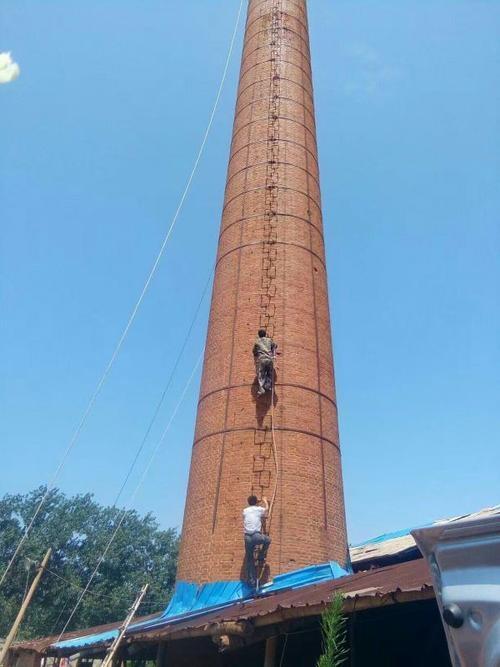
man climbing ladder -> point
(252, 525)
(263, 352)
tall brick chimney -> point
(270, 273)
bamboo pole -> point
(108, 660)
(22, 611)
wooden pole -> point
(109, 659)
(271, 649)
(160, 654)
(34, 585)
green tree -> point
(333, 628)
(78, 530)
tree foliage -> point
(333, 626)
(78, 529)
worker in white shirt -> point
(252, 526)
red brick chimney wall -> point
(270, 273)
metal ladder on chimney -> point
(264, 436)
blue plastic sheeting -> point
(190, 597)
(385, 537)
(305, 577)
(86, 640)
(190, 600)
(392, 536)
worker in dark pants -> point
(252, 525)
(263, 353)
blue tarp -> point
(189, 597)
(87, 640)
(306, 576)
(385, 537)
(392, 536)
(191, 600)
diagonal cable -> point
(165, 391)
(123, 513)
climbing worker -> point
(252, 526)
(263, 354)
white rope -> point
(135, 309)
(159, 405)
(134, 494)
(275, 453)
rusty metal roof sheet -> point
(39, 645)
(401, 542)
(410, 577)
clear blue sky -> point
(98, 137)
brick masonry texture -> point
(270, 272)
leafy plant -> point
(333, 627)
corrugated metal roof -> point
(39, 645)
(406, 577)
(196, 599)
(401, 542)
(413, 576)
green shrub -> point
(333, 627)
